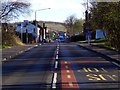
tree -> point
(78, 26)
(10, 10)
(69, 24)
(106, 16)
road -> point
(60, 66)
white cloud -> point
(60, 9)
(56, 4)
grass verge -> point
(102, 42)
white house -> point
(28, 27)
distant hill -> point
(54, 26)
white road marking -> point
(70, 84)
(111, 77)
(56, 56)
(66, 67)
(66, 62)
(104, 70)
(4, 59)
(85, 69)
(68, 76)
(56, 64)
(54, 80)
(67, 71)
(116, 64)
(78, 70)
(57, 52)
(36, 45)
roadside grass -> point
(102, 43)
(9, 40)
(5, 46)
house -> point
(29, 32)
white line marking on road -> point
(78, 70)
(54, 80)
(116, 64)
(56, 56)
(56, 64)
(36, 45)
(111, 77)
(70, 84)
(57, 52)
(66, 67)
(57, 49)
(68, 76)
(4, 59)
(104, 70)
(67, 71)
(66, 62)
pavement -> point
(11, 52)
(109, 54)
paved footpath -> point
(8, 53)
(109, 54)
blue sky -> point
(60, 9)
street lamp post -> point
(40, 10)
(36, 16)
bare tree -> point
(10, 10)
(69, 23)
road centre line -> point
(56, 64)
(56, 56)
(57, 52)
(57, 49)
(54, 80)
